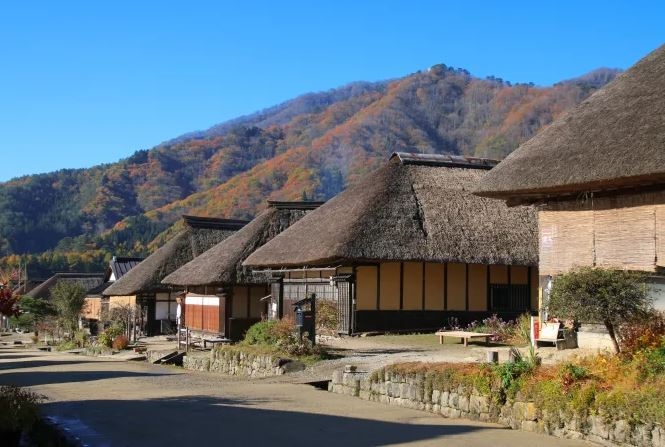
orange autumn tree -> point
(8, 302)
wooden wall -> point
(204, 313)
(92, 309)
(623, 231)
(417, 286)
(116, 301)
(246, 301)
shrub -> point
(327, 317)
(66, 345)
(597, 295)
(642, 333)
(500, 330)
(281, 336)
(19, 408)
(106, 338)
(120, 342)
(262, 333)
(80, 339)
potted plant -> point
(19, 411)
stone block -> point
(658, 436)
(598, 427)
(463, 403)
(620, 433)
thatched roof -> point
(412, 209)
(198, 236)
(87, 281)
(118, 266)
(223, 262)
(614, 139)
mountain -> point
(308, 148)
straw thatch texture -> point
(623, 231)
(614, 139)
(87, 281)
(223, 262)
(408, 211)
(196, 238)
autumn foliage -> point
(311, 147)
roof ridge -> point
(294, 205)
(444, 160)
(214, 222)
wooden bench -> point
(215, 341)
(551, 333)
(465, 336)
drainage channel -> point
(319, 384)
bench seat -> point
(464, 336)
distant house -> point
(95, 302)
(409, 248)
(598, 177)
(224, 297)
(142, 286)
(87, 281)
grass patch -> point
(606, 385)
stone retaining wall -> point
(238, 363)
(411, 391)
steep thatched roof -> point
(223, 262)
(87, 281)
(614, 139)
(118, 266)
(198, 236)
(411, 209)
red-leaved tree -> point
(8, 302)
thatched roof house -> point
(87, 281)
(223, 263)
(200, 234)
(416, 208)
(613, 140)
(598, 174)
(410, 247)
(230, 295)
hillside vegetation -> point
(311, 147)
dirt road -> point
(115, 403)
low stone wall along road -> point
(118, 403)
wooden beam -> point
(378, 287)
(422, 307)
(401, 285)
(466, 295)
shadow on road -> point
(209, 421)
(4, 366)
(33, 378)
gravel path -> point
(107, 402)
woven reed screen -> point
(566, 237)
(626, 232)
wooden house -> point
(87, 281)
(95, 302)
(408, 248)
(142, 286)
(598, 178)
(224, 297)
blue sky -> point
(85, 82)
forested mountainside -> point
(308, 148)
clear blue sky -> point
(88, 82)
